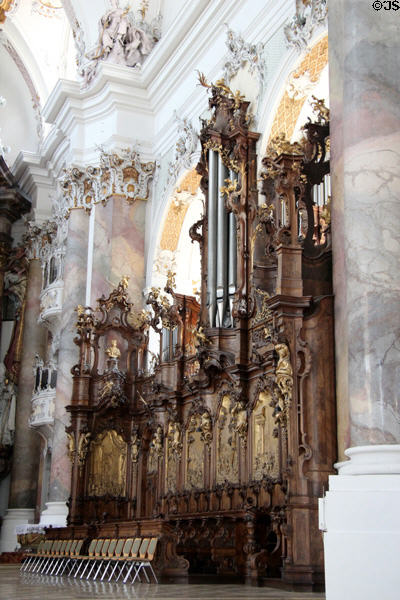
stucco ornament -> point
(186, 150)
(240, 53)
(310, 15)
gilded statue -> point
(124, 281)
(284, 382)
(284, 371)
(200, 338)
(206, 427)
(83, 447)
(135, 447)
(239, 415)
(174, 438)
(71, 446)
(105, 390)
(156, 445)
(113, 351)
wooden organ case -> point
(223, 450)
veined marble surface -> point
(365, 158)
(74, 294)
(29, 586)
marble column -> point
(360, 512)
(74, 294)
(365, 139)
(26, 453)
(118, 248)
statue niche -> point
(107, 465)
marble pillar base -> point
(14, 517)
(360, 519)
(55, 514)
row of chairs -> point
(126, 558)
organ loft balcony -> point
(44, 394)
(51, 300)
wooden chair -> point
(99, 558)
(43, 556)
(134, 554)
(146, 556)
(120, 560)
(57, 557)
(63, 557)
(106, 559)
(50, 553)
(74, 554)
(82, 558)
(96, 552)
(117, 554)
(30, 559)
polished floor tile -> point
(29, 586)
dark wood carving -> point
(223, 447)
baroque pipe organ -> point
(223, 450)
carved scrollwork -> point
(112, 393)
(194, 231)
(166, 314)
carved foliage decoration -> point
(227, 450)
(120, 175)
(107, 465)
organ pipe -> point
(232, 253)
(212, 235)
(222, 247)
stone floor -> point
(29, 586)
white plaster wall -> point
(17, 118)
